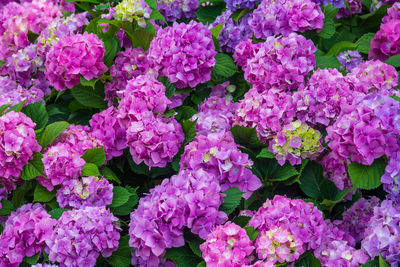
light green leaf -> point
(328, 30)
(367, 177)
(394, 61)
(231, 200)
(109, 175)
(251, 232)
(37, 112)
(266, 154)
(284, 172)
(90, 169)
(95, 155)
(88, 97)
(41, 194)
(34, 168)
(364, 43)
(51, 132)
(224, 67)
(56, 213)
(120, 196)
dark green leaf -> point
(224, 67)
(56, 213)
(88, 97)
(109, 175)
(95, 155)
(189, 128)
(155, 14)
(194, 245)
(122, 256)
(34, 168)
(182, 256)
(37, 112)
(330, 12)
(210, 13)
(266, 154)
(7, 207)
(202, 264)
(246, 137)
(251, 232)
(120, 196)
(284, 172)
(32, 36)
(170, 88)
(41, 194)
(90, 83)
(329, 29)
(308, 261)
(231, 200)
(364, 43)
(90, 169)
(19, 194)
(394, 61)
(127, 208)
(51, 132)
(341, 47)
(142, 38)
(112, 47)
(371, 263)
(326, 61)
(367, 177)
(32, 260)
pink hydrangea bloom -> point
(13, 93)
(127, 65)
(338, 248)
(80, 235)
(87, 192)
(3, 195)
(244, 51)
(355, 8)
(391, 178)
(335, 169)
(278, 245)
(106, 127)
(283, 62)
(393, 12)
(154, 140)
(25, 233)
(177, 9)
(73, 56)
(302, 219)
(227, 245)
(17, 145)
(386, 42)
(218, 154)
(320, 102)
(184, 53)
(284, 17)
(373, 76)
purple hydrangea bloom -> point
(218, 154)
(17, 145)
(349, 59)
(386, 42)
(335, 3)
(3, 195)
(283, 62)
(73, 56)
(87, 192)
(13, 93)
(284, 17)
(174, 10)
(184, 53)
(302, 219)
(80, 235)
(190, 199)
(106, 127)
(356, 218)
(320, 102)
(240, 4)
(25, 233)
(338, 248)
(392, 13)
(177, 99)
(355, 8)
(244, 51)
(335, 169)
(391, 178)
(227, 245)
(128, 64)
(373, 76)
(382, 235)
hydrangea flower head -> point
(391, 178)
(349, 59)
(73, 56)
(25, 233)
(393, 12)
(233, 5)
(184, 53)
(355, 8)
(17, 145)
(386, 41)
(133, 10)
(87, 192)
(13, 93)
(80, 235)
(244, 51)
(335, 169)
(295, 142)
(174, 10)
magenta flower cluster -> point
(177, 9)
(17, 145)
(12, 93)
(184, 53)
(284, 17)
(73, 56)
(80, 235)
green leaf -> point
(202, 264)
(309, 260)
(32, 36)
(185, 112)
(90, 169)
(109, 175)
(151, 3)
(224, 67)
(284, 172)
(246, 137)
(3, 108)
(17, 108)
(330, 12)
(88, 97)
(371, 263)
(90, 83)
(210, 13)
(56, 213)
(41, 194)
(182, 256)
(394, 61)
(19, 194)
(51, 132)
(216, 30)
(266, 154)
(6, 207)
(194, 245)
(231, 200)
(242, 221)
(37, 112)
(112, 47)
(328, 30)
(155, 14)
(239, 14)
(32, 260)
(189, 128)
(382, 262)
(120, 196)
(122, 256)
(34, 168)
(341, 47)
(367, 177)
(127, 208)
(326, 61)
(251, 232)
(142, 38)
(95, 155)
(170, 88)
(364, 43)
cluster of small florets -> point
(232, 32)
(361, 133)
(87, 192)
(174, 10)
(13, 93)
(335, 169)
(349, 59)
(295, 142)
(227, 245)
(3, 195)
(184, 53)
(219, 154)
(25, 233)
(152, 138)
(283, 62)
(80, 235)
(338, 248)
(320, 102)
(133, 10)
(373, 76)
(386, 42)
(284, 17)
(233, 5)
(107, 128)
(188, 199)
(391, 178)
(382, 234)
(354, 7)
(73, 56)
(335, 3)
(244, 51)
(17, 145)
(128, 64)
